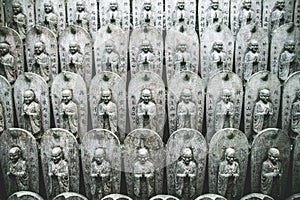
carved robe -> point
(295, 123)
(277, 18)
(147, 17)
(102, 180)
(75, 62)
(51, 21)
(262, 116)
(69, 117)
(146, 61)
(82, 19)
(218, 61)
(115, 17)
(186, 115)
(224, 115)
(18, 175)
(32, 121)
(246, 17)
(8, 68)
(41, 65)
(180, 17)
(251, 64)
(59, 177)
(20, 23)
(287, 65)
(108, 116)
(111, 62)
(213, 16)
(182, 61)
(146, 114)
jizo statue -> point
(218, 57)
(50, 17)
(7, 62)
(75, 58)
(19, 19)
(182, 58)
(278, 15)
(41, 61)
(214, 15)
(247, 14)
(146, 58)
(82, 16)
(111, 61)
(271, 174)
(147, 15)
(252, 59)
(180, 15)
(101, 175)
(295, 114)
(114, 14)
(228, 173)
(186, 171)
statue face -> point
(28, 96)
(108, 48)
(247, 4)
(48, 8)
(14, 155)
(17, 8)
(143, 157)
(226, 96)
(254, 47)
(230, 157)
(298, 94)
(218, 47)
(273, 155)
(180, 5)
(4, 49)
(280, 5)
(264, 96)
(106, 96)
(145, 47)
(182, 47)
(214, 4)
(186, 96)
(187, 156)
(38, 48)
(113, 6)
(66, 96)
(73, 48)
(56, 158)
(146, 96)
(80, 6)
(99, 156)
(290, 47)
(147, 6)
(56, 154)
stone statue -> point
(228, 174)
(31, 115)
(68, 112)
(295, 118)
(19, 19)
(214, 14)
(111, 59)
(50, 17)
(143, 173)
(252, 60)
(146, 58)
(101, 175)
(180, 15)
(17, 170)
(7, 62)
(182, 58)
(271, 172)
(186, 171)
(186, 111)
(263, 111)
(218, 57)
(247, 14)
(146, 111)
(278, 15)
(41, 64)
(81, 15)
(224, 111)
(147, 15)
(107, 112)
(2, 119)
(58, 172)
(287, 60)
(75, 58)
(114, 15)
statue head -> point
(218, 46)
(226, 95)
(280, 4)
(109, 46)
(14, 154)
(186, 95)
(298, 94)
(113, 5)
(4, 48)
(106, 96)
(143, 155)
(147, 5)
(290, 45)
(67, 96)
(146, 95)
(56, 154)
(74, 47)
(48, 7)
(99, 155)
(247, 4)
(80, 6)
(146, 46)
(253, 46)
(17, 8)
(39, 47)
(264, 95)
(273, 155)
(29, 96)
(214, 4)
(180, 4)
(187, 155)
(230, 155)
(181, 46)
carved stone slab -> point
(224, 100)
(155, 14)
(54, 18)
(265, 140)
(137, 38)
(6, 105)
(146, 140)
(115, 12)
(210, 197)
(101, 83)
(176, 159)
(33, 116)
(15, 58)
(244, 13)
(164, 197)
(64, 173)
(105, 141)
(284, 34)
(211, 61)
(290, 105)
(23, 17)
(27, 161)
(185, 101)
(152, 82)
(117, 40)
(178, 56)
(294, 197)
(116, 197)
(70, 196)
(259, 81)
(271, 15)
(173, 14)
(75, 84)
(297, 13)
(83, 13)
(205, 14)
(296, 166)
(256, 196)
(251, 51)
(24, 195)
(42, 52)
(221, 141)
(81, 60)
